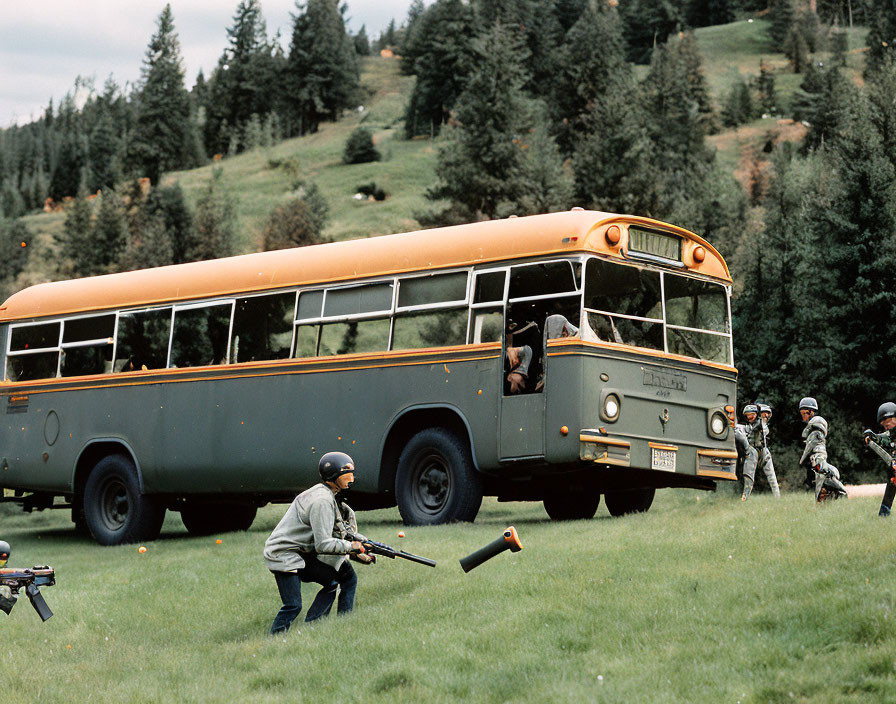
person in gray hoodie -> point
(310, 544)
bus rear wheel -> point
(436, 481)
(619, 503)
(114, 509)
(571, 505)
(207, 517)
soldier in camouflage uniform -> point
(827, 476)
(751, 439)
(884, 445)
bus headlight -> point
(611, 407)
(718, 423)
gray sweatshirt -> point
(312, 523)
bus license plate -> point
(663, 460)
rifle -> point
(375, 548)
(871, 442)
(30, 580)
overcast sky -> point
(46, 44)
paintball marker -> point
(375, 548)
(30, 580)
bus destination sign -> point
(655, 244)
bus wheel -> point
(436, 481)
(571, 506)
(620, 503)
(207, 517)
(115, 510)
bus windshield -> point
(658, 310)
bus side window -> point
(143, 340)
(87, 345)
(306, 340)
(200, 336)
(354, 337)
(487, 325)
(262, 327)
(441, 328)
(33, 352)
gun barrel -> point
(416, 558)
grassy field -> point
(703, 599)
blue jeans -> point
(290, 586)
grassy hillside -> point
(703, 599)
(259, 180)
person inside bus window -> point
(558, 326)
(520, 355)
(313, 542)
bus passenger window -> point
(87, 345)
(441, 328)
(354, 337)
(487, 325)
(143, 340)
(306, 341)
(28, 367)
(33, 352)
(427, 290)
(200, 336)
(542, 279)
(262, 327)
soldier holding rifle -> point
(311, 544)
(827, 476)
(884, 445)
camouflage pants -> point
(761, 459)
(826, 475)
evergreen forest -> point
(467, 110)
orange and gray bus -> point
(213, 388)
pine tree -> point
(481, 169)
(163, 137)
(592, 64)
(440, 51)
(362, 43)
(76, 241)
(765, 86)
(548, 184)
(215, 223)
(15, 241)
(882, 96)
(110, 232)
(882, 35)
(649, 23)
(359, 148)
(738, 107)
(169, 204)
(321, 73)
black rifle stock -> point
(30, 580)
(375, 548)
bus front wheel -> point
(114, 509)
(436, 481)
(207, 517)
(620, 503)
(571, 505)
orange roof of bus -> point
(461, 245)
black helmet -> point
(809, 403)
(886, 410)
(335, 464)
(4, 552)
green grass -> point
(701, 599)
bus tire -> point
(207, 517)
(114, 509)
(571, 505)
(620, 503)
(436, 481)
